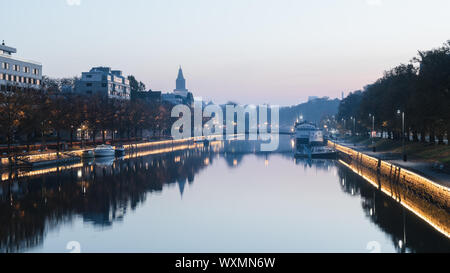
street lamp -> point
(405, 158)
(345, 127)
(354, 125)
(371, 133)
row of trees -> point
(419, 89)
(28, 115)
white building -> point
(18, 72)
(105, 81)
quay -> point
(74, 156)
(424, 197)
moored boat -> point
(104, 151)
(317, 152)
(119, 150)
(87, 154)
(309, 142)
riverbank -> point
(425, 198)
(414, 171)
(401, 184)
(49, 158)
(430, 161)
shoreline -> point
(395, 173)
(427, 199)
(55, 158)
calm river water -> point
(226, 197)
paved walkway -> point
(424, 168)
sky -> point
(246, 51)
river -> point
(226, 197)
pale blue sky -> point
(258, 51)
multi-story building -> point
(103, 80)
(18, 72)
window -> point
(89, 84)
(5, 65)
(1, 76)
(16, 67)
(35, 71)
(26, 69)
(89, 76)
(89, 92)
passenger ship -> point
(309, 142)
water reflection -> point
(103, 192)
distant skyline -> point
(247, 51)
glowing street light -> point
(399, 112)
(373, 131)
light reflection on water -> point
(227, 197)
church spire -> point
(181, 83)
(180, 74)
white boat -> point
(308, 133)
(309, 142)
(104, 151)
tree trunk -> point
(432, 136)
(94, 132)
(422, 136)
(28, 143)
(71, 138)
(9, 147)
(415, 136)
(447, 134)
(58, 140)
(43, 146)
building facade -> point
(104, 81)
(18, 72)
